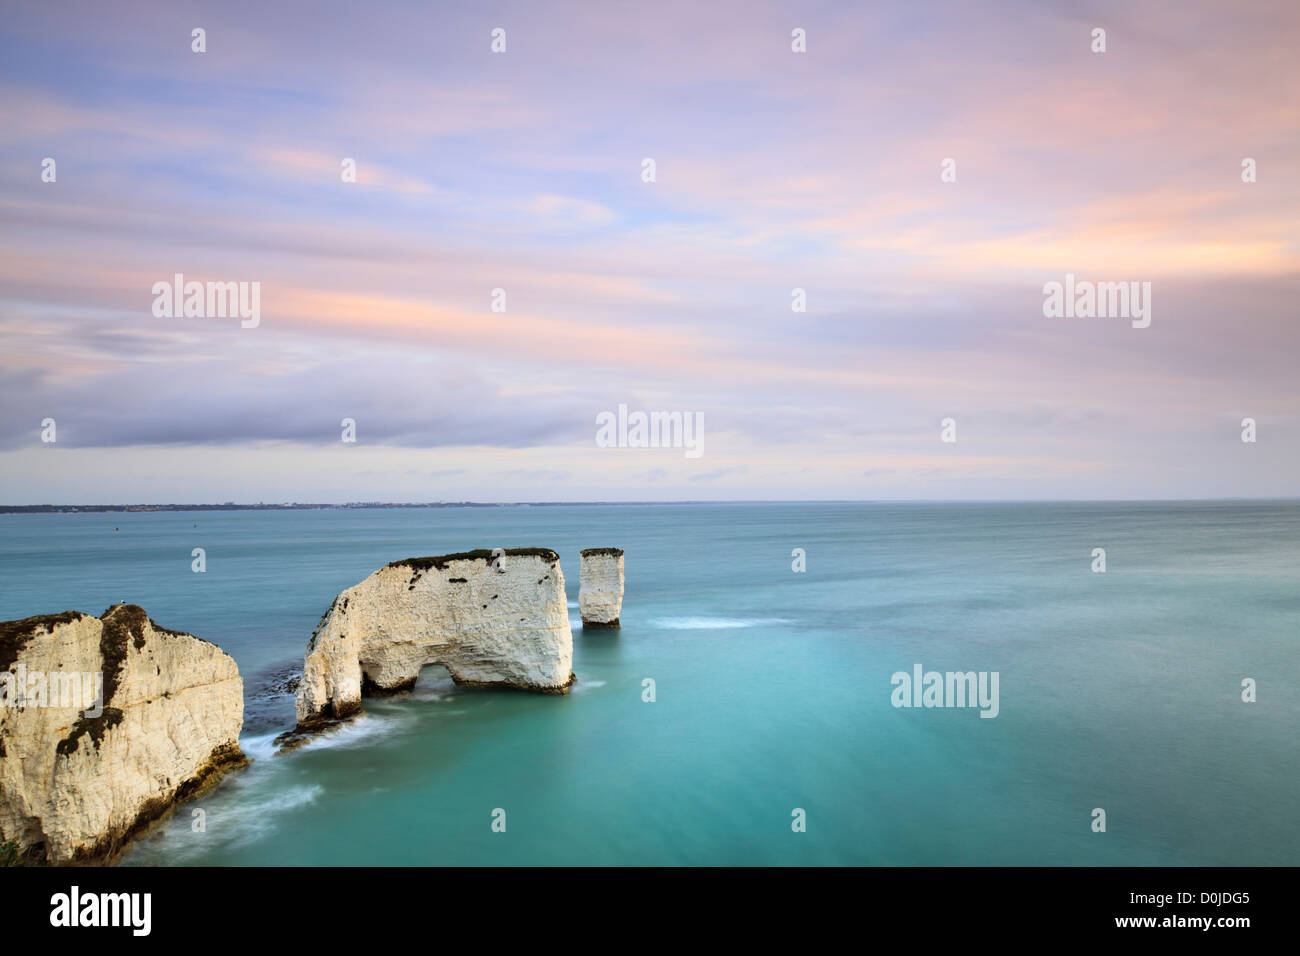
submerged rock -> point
(600, 587)
(268, 697)
(104, 724)
(492, 618)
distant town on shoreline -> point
(362, 505)
(304, 506)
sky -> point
(523, 171)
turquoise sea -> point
(1119, 691)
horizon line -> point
(48, 508)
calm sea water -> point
(1119, 690)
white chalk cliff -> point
(77, 781)
(600, 587)
(491, 618)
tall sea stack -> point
(600, 587)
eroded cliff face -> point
(79, 772)
(600, 587)
(492, 618)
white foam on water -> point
(431, 691)
(258, 747)
(251, 817)
(716, 623)
(582, 685)
(243, 808)
(359, 730)
(263, 749)
(241, 811)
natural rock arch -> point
(492, 618)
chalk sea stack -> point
(106, 723)
(600, 587)
(493, 618)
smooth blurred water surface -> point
(1119, 690)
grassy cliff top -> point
(441, 561)
(14, 635)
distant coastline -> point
(300, 506)
(364, 505)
